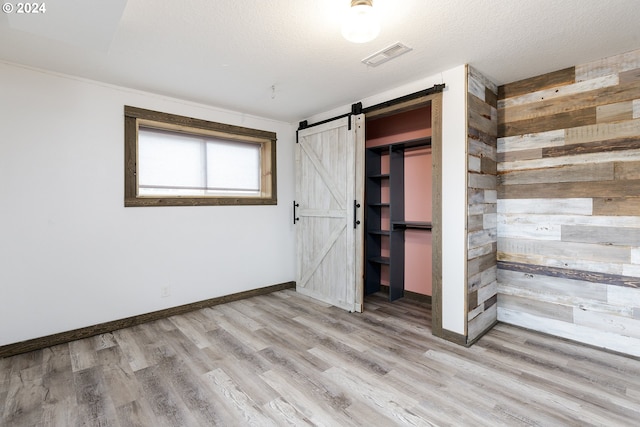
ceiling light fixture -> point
(361, 23)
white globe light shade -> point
(361, 24)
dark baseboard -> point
(410, 295)
(451, 336)
(417, 297)
(89, 331)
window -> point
(179, 161)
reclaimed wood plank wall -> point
(482, 122)
(569, 203)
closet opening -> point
(399, 218)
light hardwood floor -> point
(284, 359)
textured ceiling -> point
(230, 53)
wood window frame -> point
(134, 118)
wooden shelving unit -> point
(376, 234)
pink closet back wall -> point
(400, 127)
(417, 207)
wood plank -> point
(616, 205)
(627, 297)
(564, 173)
(563, 190)
(474, 223)
(491, 302)
(490, 220)
(533, 84)
(572, 331)
(563, 120)
(482, 181)
(485, 138)
(483, 278)
(618, 236)
(475, 88)
(630, 76)
(482, 116)
(525, 280)
(491, 97)
(482, 79)
(570, 103)
(631, 270)
(479, 251)
(606, 322)
(488, 166)
(481, 238)
(436, 211)
(480, 148)
(627, 170)
(487, 292)
(560, 91)
(566, 250)
(472, 300)
(561, 262)
(531, 141)
(610, 145)
(586, 276)
(541, 231)
(474, 164)
(591, 158)
(614, 112)
(563, 219)
(602, 132)
(491, 196)
(514, 156)
(481, 263)
(610, 65)
(483, 322)
(577, 300)
(567, 206)
(536, 308)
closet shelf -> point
(412, 143)
(410, 225)
(379, 176)
(379, 259)
(379, 232)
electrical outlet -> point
(164, 292)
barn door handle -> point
(356, 221)
(295, 218)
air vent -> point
(386, 54)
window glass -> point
(173, 160)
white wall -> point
(72, 256)
(454, 183)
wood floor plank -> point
(236, 400)
(95, 404)
(136, 414)
(165, 402)
(285, 359)
(317, 412)
(283, 413)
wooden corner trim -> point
(451, 336)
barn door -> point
(328, 217)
